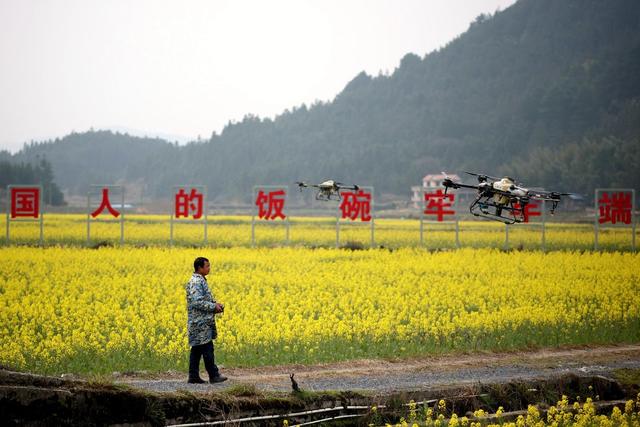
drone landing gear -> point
(483, 205)
(330, 196)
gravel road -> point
(383, 376)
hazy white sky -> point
(185, 68)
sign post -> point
(270, 201)
(189, 204)
(440, 205)
(105, 204)
(615, 207)
(533, 209)
(25, 205)
(357, 206)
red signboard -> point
(615, 207)
(105, 204)
(356, 205)
(531, 209)
(271, 205)
(437, 204)
(190, 204)
(25, 202)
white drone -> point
(328, 190)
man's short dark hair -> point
(199, 263)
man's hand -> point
(219, 308)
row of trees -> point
(39, 173)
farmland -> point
(234, 231)
(73, 309)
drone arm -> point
(447, 183)
(475, 187)
(340, 186)
(550, 197)
(455, 185)
(302, 184)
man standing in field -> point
(201, 323)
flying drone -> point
(328, 190)
(501, 199)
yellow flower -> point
(127, 311)
(628, 407)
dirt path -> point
(413, 374)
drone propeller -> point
(446, 182)
(482, 177)
(572, 196)
(556, 194)
(447, 178)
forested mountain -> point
(546, 90)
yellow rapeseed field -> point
(231, 231)
(65, 309)
(564, 413)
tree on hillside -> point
(41, 174)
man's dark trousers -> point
(206, 351)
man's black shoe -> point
(218, 379)
(196, 381)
